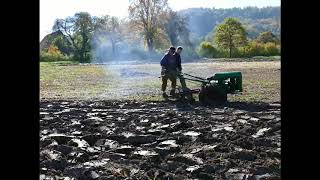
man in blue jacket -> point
(170, 65)
(179, 75)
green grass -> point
(252, 59)
(69, 80)
(267, 57)
(261, 80)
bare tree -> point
(108, 28)
(176, 29)
(146, 18)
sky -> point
(50, 10)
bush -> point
(255, 49)
(53, 54)
(271, 49)
(46, 57)
(238, 52)
(242, 52)
(206, 49)
(259, 49)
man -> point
(180, 76)
(170, 65)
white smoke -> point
(124, 51)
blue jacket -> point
(165, 61)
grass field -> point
(261, 80)
(72, 81)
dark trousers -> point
(182, 82)
(172, 76)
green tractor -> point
(215, 88)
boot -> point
(164, 95)
(172, 92)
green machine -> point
(215, 88)
(230, 82)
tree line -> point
(230, 40)
(151, 24)
(151, 28)
(203, 20)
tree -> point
(267, 36)
(176, 28)
(172, 27)
(78, 29)
(146, 16)
(114, 32)
(84, 30)
(63, 44)
(161, 40)
(108, 28)
(203, 20)
(230, 34)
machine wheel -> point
(202, 96)
(186, 96)
(212, 95)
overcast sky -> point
(53, 9)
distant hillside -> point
(203, 20)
